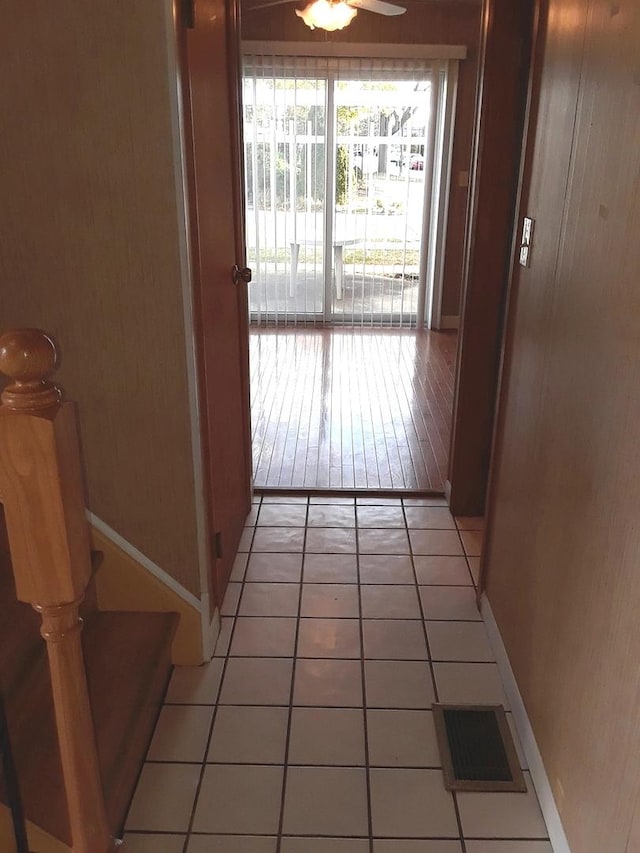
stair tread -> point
(127, 658)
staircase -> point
(77, 755)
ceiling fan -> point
(336, 14)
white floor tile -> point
(139, 843)
(330, 600)
(442, 571)
(429, 518)
(395, 845)
(181, 733)
(195, 685)
(330, 568)
(444, 543)
(396, 639)
(332, 516)
(456, 603)
(324, 845)
(332, 736)
(380, 516)
(232, 844)
(249, 735)
(459, 641)
(383, 601)
(330, 540)
(378, 541)
(402, 739)
(508, 847)
(239, 800)
(508, 815)
(398, 684)
(270, 599)
(326, 801)
(328, 683)
(282, 515)
(231, 599)
(274, 568)
(393, 569)
(264, 636)
(224, 637)
(257, 681)
(469, 683)
(164, 798)
(278, 539)
(239, 567)
(411, 803)
(329, 638)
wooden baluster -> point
(41, 489)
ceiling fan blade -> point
(378, 6)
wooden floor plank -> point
(347, 408)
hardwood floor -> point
(351, 408)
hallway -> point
(311, 731)
(346, 408)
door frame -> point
(184, 15)
(444, 86)
(505, 60)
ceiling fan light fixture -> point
(327, 15)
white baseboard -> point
(449, 321)
(525, 733)
(144, 561)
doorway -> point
(346, 167)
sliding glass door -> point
(338, 160)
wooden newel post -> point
(41, 489)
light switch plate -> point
(525, 243)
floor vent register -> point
(477, 750)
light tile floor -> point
(311, 731)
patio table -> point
(338, 261)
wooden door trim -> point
(201, 335)
(538, 41)
(193, 241)
(487, 254)
(234, 56)
(180, 125)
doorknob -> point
(239, 275)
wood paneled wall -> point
(434, 22)
(89, 251)
(564, 538)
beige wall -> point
(89, 251)
(564, 538)
(433, 22)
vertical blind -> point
(336, 155)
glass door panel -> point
(336, 238)
(284, 142)
(381, 133)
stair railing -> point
(42, 492)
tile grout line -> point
(365, 706)
(431, 667)
(227, 655)
(217, 702)
(285, 765)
